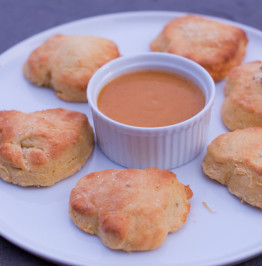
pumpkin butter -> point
(150, 98)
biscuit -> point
(234, 159)
(130, 209)
(43, 147)
(216, 46)
(242, 106)
(66, 63)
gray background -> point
(20, 19)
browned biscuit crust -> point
(130, 209)
(234, 159)
(66, 63)
(242, 106)
(44, 147)
(214, 45)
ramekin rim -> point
(182, 124)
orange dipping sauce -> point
(150, 98)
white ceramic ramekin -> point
(163, 147)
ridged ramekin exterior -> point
(164, 147)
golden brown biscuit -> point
(130, 209)
(242, 106)
(44, 147)
(234, 159)
(215, 46)
(67, 62)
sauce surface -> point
(150, 98)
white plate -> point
(37, 219)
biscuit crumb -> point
(205, 204)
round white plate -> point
(37, 219)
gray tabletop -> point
(20, 19)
